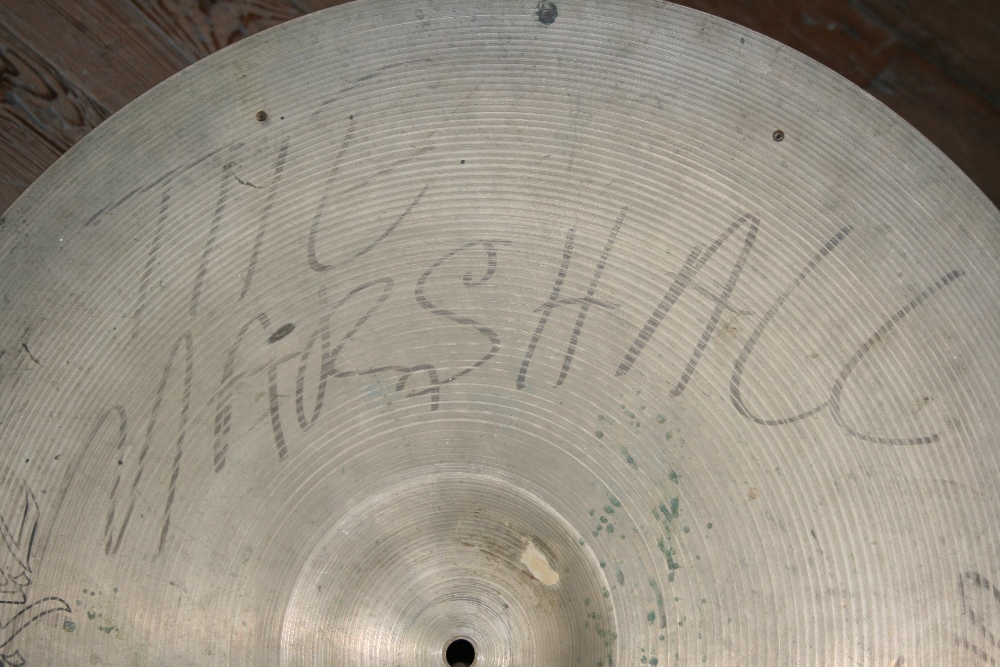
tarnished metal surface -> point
(507, 323)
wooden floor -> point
(66, 65)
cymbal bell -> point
(430, 333)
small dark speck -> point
(778, 135)
(462, 162)
(743, 40)
(546, 12)
(26, 460)
(282, 118)
(121, 462)
(282, 331)
(261, 116)
(351, 117)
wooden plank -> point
(316, 5)
(197, 28)
(964, 125)
(41, 116)
(958, 35)
(107, 48)
(831, 31)
(23, 158)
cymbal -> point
(436, 333)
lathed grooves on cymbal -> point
(511, 323)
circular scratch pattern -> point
(509, 323)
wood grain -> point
(41, 115)
(197, 28)
(958, 36)
(830, 31)
(107, 48)
(964, 125)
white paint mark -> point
(538, 565)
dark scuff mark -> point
(228, 168)
(812, 532)
(546, 12)
(33, 357)
(281, 332)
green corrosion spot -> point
(654, 662)
(69, 626)
(661, 418)
(586, 601)
(628, 457)
(604, 519)
(709, 525)
(615, 501)
(106, 629)
(91, 615)
(669, 435)
(611, 528)
(674, 477)
(599, 434)
(592, 512)
(651, 616)
(668, 553)
(608, 509)
(659, 602)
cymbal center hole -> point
(460, 653)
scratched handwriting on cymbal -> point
(18, 531)
(319, 360)
(981, 608)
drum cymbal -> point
(561, 333)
